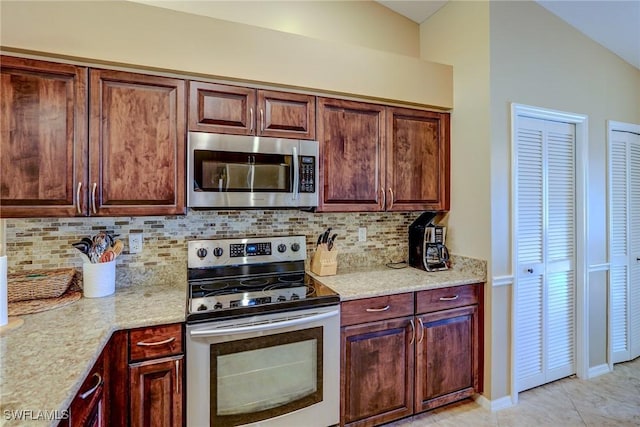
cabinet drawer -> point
(155, 341)
(376, 308)
(444, 298)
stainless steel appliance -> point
(427, 249)
(263, 338)
(238, 171)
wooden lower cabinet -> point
(156, 392)
(89, 406)
(377, 378)
(143, 381)
(156, 376)
(393, 367)
(447, 357)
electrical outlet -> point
(135, 243)
(362, 234)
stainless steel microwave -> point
(238, 171)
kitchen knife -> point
(331, 240)
(325, 235)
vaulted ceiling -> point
(612, 23)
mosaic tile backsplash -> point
(46, 242)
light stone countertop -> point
(44, 361)
(381, 280)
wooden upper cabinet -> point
(376, 158)
(239, 110)
(221, 109)
(137, 144)
(43, 138)
(352, 146)
(417, 163)
(286, 115)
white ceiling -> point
(613, 24)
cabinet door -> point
(377, 372)
(156, 393)
(43, 141)
(417, 160)
(221, 109)
(137, 144)
(351, 136)
(447, 357)
(88, 408)
(286, 115)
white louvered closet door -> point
(624, 245)
(545, 251)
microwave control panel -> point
(307, 174)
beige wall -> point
(364, 23)
(535, 59)
(465, 45)
(151, 37)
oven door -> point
(247, 171)
(278, 369)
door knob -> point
(530, 270)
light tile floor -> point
(612, 399)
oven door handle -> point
(203, 333)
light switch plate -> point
(362, 234)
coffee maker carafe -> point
(427, 250)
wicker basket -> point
(38, 284)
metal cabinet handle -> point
(78, 207)
(391, 194)
(92, 390)
(421, 330)
(93, 197)
(151, 344)
(261, 120)
(413, 332)
(377, 310)
(251, 119)
(384, 198)
(453, 298)
(177, 376)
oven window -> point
(220, 171)
(264, 377)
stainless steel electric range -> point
(263, 337)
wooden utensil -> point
(117, 247)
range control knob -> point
(295, 247)
(294, 297)
(202, 307)
(218, 306)
(282, 248)
(218, 252)
(202, 253)
(282, 298)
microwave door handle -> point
(204, 333)
(296, 172)
(250, 174)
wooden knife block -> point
(324, 261)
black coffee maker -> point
(426, 244)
